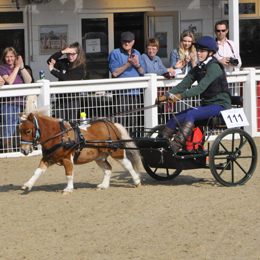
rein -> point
(95, 119)
(36, 130)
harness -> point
(219, 85)
(78, 144)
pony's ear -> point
(30, 117)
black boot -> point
(182, 136)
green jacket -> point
(184, 87)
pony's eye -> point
(28, 131)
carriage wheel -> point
(233, 157)
(160, 174)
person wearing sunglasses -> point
(227, 53)
(70, 68)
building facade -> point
(39, 29)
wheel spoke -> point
(224, 168)
(242, 169)
(232, 172)
(224, 147)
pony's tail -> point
(132, 154)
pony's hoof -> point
(25, 187)
(66, 193)
(138, 185)
(100, 187)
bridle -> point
(36, 133)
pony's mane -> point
(41, 112)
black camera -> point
(233, 61)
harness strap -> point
(78, 144)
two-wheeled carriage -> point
(232, 157)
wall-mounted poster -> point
(162, 37)
(52, 38)
(195, 26)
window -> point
(12, 31)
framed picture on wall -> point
(225, 10)
(247, 9)
(52, 38)
(195, 26)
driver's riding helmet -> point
(206, 43)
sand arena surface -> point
(190, 217)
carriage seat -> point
(236, 102)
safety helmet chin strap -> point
(208, 58)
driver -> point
(212, 87)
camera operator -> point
(227, 52)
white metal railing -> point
(103, 97)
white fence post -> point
(44, 97)
(249, 94)
(150, 115)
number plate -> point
(234, 117)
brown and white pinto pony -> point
(41, 129)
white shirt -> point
(226, 51)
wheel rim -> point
(233, 157)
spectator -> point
(12, 72)
(126, 62)
(212, 86)
(227, 49)
(184, 57)
(153, 63)
(70, 68)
